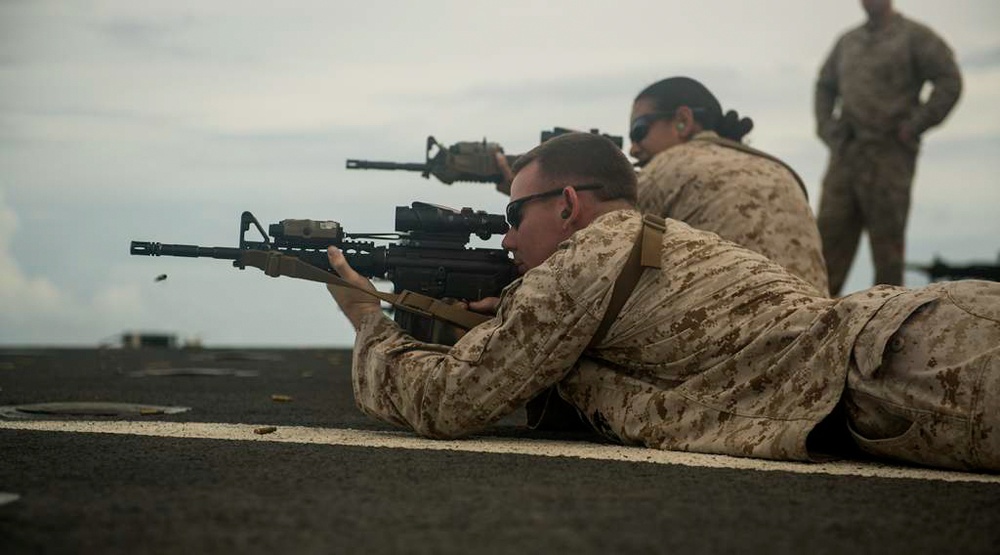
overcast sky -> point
(163, 121)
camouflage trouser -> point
(935, 398)
(867, 186)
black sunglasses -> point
(515, 208)
(641, 125)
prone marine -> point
(710, 348)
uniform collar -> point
(895, 19)
(703, 134)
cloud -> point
(148, 37)
(34, 309)
(19, 292)
(124, 300)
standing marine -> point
(870, 115)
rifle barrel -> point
(144, 248)
(939, 270)
(371, 165)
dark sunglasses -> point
(641, 125)
(515, 208)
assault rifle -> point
(470, 161)
(429, 257)
(939, 270)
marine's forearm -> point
(943, 98)
(495, 368)
(935, 63)
(824, 100)
(434, 390)
(826, 91)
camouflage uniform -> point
(752, 201)
(929, 392)
(721, 351)
(877, 74)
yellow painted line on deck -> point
(482, 444)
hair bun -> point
(733, 127)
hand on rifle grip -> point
(505, 171)
(484, 306)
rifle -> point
(939, 270)
(469, 161)
(429, 257)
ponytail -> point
(731, 126)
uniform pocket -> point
(926, 440)
(978, 298)
(892, 447)
(886, 325)
(470, 347)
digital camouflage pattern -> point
(721, 351)
(930, 392)
(867, 186)
(876, 75)
(868, 87)
(752, 201)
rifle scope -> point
(431, 218)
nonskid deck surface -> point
(272, 455)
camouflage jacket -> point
(752, 201)
(877, 76)
(721, 351)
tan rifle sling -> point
(547, 410)
(645, 254)
(753, 151)
(276, 264)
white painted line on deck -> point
(480, 444)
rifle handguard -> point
(276, 264)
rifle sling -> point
(547, 410)
(750, 150)
(645, 254)
(276, 264)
